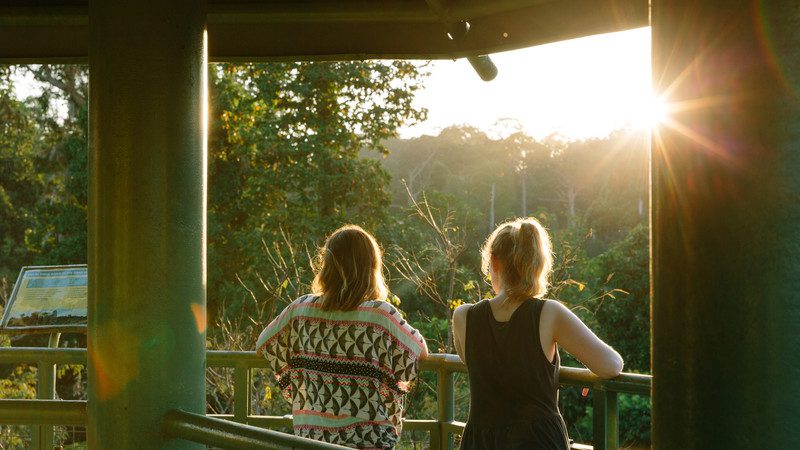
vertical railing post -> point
(446, 409)
(606, 420)
(241, 392)
(42, 435)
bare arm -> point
(568, 331)
(460, 329)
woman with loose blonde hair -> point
(343, 356)
(510, 345)
(349, 270)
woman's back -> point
(345, 372)
(514, 388)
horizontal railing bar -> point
(436, 361)
(631, 383)
(226, 434)
(43, 412)
(16, 355)
(429, 425)
(569, 376)
(585, 375)
(259, 421)
(575, 446)
(615, 386)
(286, 421)
(453, 426)
(225, 358)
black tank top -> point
(514, 388)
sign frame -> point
(38, 329)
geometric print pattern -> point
(344, 372)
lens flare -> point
(775, 58)
(650, 112)
(199, 313)
(114, 358)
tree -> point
(43, 188)
(21, 185)
(625, 320)
(285, 155)
(61, 237)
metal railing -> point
(231, 435)
(442, 429)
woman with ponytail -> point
(510, 345)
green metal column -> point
(726, 225)
(147, 226)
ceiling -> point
(57, 31)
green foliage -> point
(17, 382)
(297, 149)
(634, 418)
(43, 169)
(588, 194)
(625, 319)
(20, 383)
(21, 184)
(61, 238)
(618, 312)
(285, 155)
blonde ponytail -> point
(523, 247)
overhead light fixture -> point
(456, 30)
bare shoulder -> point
(555, 308)
(554, 313)
(460, 314)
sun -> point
(658, 110)
(651, 112)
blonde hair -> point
(523, 248)
(349, 270)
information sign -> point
(47, 299)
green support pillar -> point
(147, 226)
(726, 225)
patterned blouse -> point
(345, 372)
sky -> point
(578, 88)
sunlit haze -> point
(578, 88)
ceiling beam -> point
(321, 30)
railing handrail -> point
(604, 402)
(231, 435)
(568, 376)
(15, 355)
(39, 412)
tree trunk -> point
(491, 210)
(450, 288)
(571, 194)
